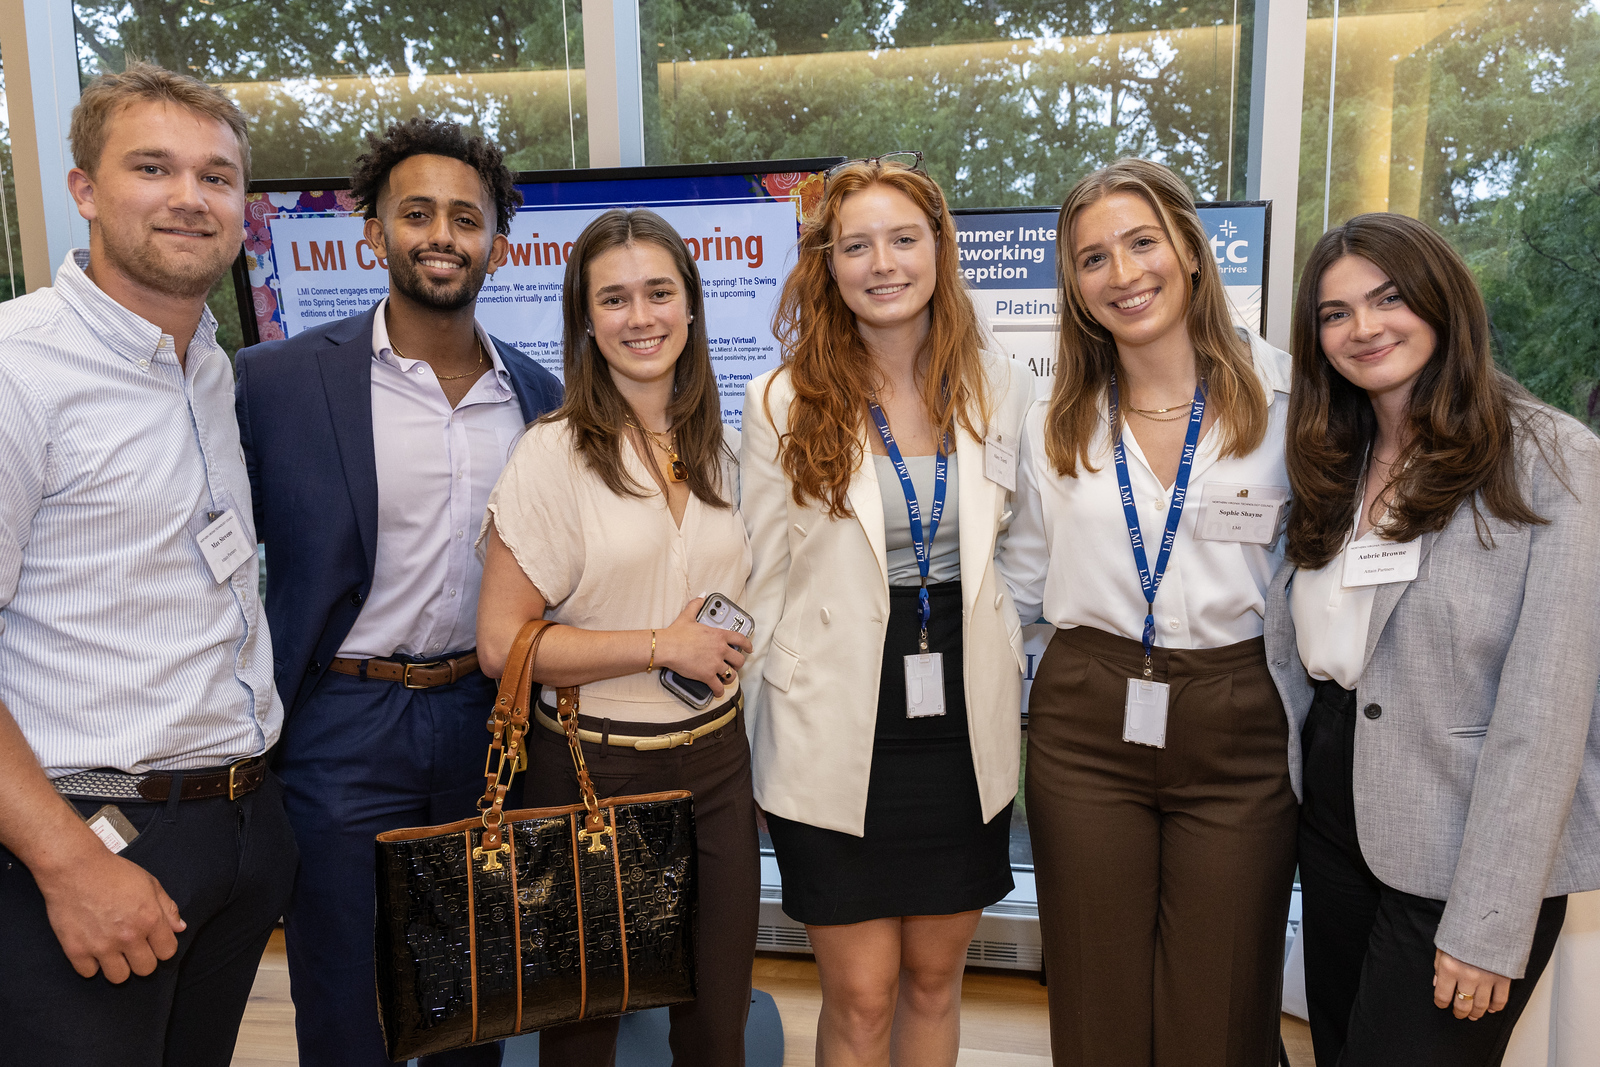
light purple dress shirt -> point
(436, 466)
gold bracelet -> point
(652, 664)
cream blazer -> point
(819, 592)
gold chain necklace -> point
(1151, 413)
(1169, 418)
(477, 367)
(677, 469)
(1147, 412)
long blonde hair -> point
(827, 361)
(1086, 353)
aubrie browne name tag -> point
(1381, 562)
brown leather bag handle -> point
(508, 725)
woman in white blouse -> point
(615, 513)
(1148, 502)
(1436, 638)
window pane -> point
(1481, 118)
(314, 76)
(11, 262)
(1011, 102)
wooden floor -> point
(1002, 1016)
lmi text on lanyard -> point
(924, 671)
(1144, 719)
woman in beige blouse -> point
(613, 517)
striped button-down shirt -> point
(118, 648)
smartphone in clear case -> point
(724, 614)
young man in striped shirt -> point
(144, 850)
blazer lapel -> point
(346, 366)
(1388, 597)
(867, 504)
(977, 515)
(530, 404)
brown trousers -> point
(1163, 874)
(708, 1031)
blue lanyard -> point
(924, 549)
(1180, 489)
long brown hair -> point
(1086, 353)
(1464, 411)
(827, 361)
(595, 411)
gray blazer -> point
(1478, 781)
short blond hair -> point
(109, 93)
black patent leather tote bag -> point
(512, 922)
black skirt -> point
(926, 850)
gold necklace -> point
(1147, 412)
(1169, 418)
(478, 367)
(677, 469)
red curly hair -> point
(828, 364)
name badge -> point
(1244, 513)
(1144, 713)
(112, 828)
(1381, 562)
(925, 685)
(224, 545)
(1000, 460)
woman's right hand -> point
(694, 650)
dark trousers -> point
(1368, 947)
(708, 1031)
(1163, 875)
(358, 758)
(228, 865)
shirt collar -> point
(131, 336)
(383, 352)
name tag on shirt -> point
(1000, 460)
(224, 545)
(1244, 513)
(1144, 713)
(925, 685)
(1381, 562)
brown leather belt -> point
(232, 781)
(410, 675)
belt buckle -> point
(233, 784)
(405, 679)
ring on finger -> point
(1463, 996)
(726, 675)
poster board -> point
(305, 262)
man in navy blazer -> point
(372, 444)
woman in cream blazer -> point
(891, 827)
(812, 682)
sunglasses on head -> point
(908, 160)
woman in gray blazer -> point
(1435, 637)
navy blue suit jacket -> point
(305, 420)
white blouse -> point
(609, 562)
(1331, 619)
(1068, 558)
